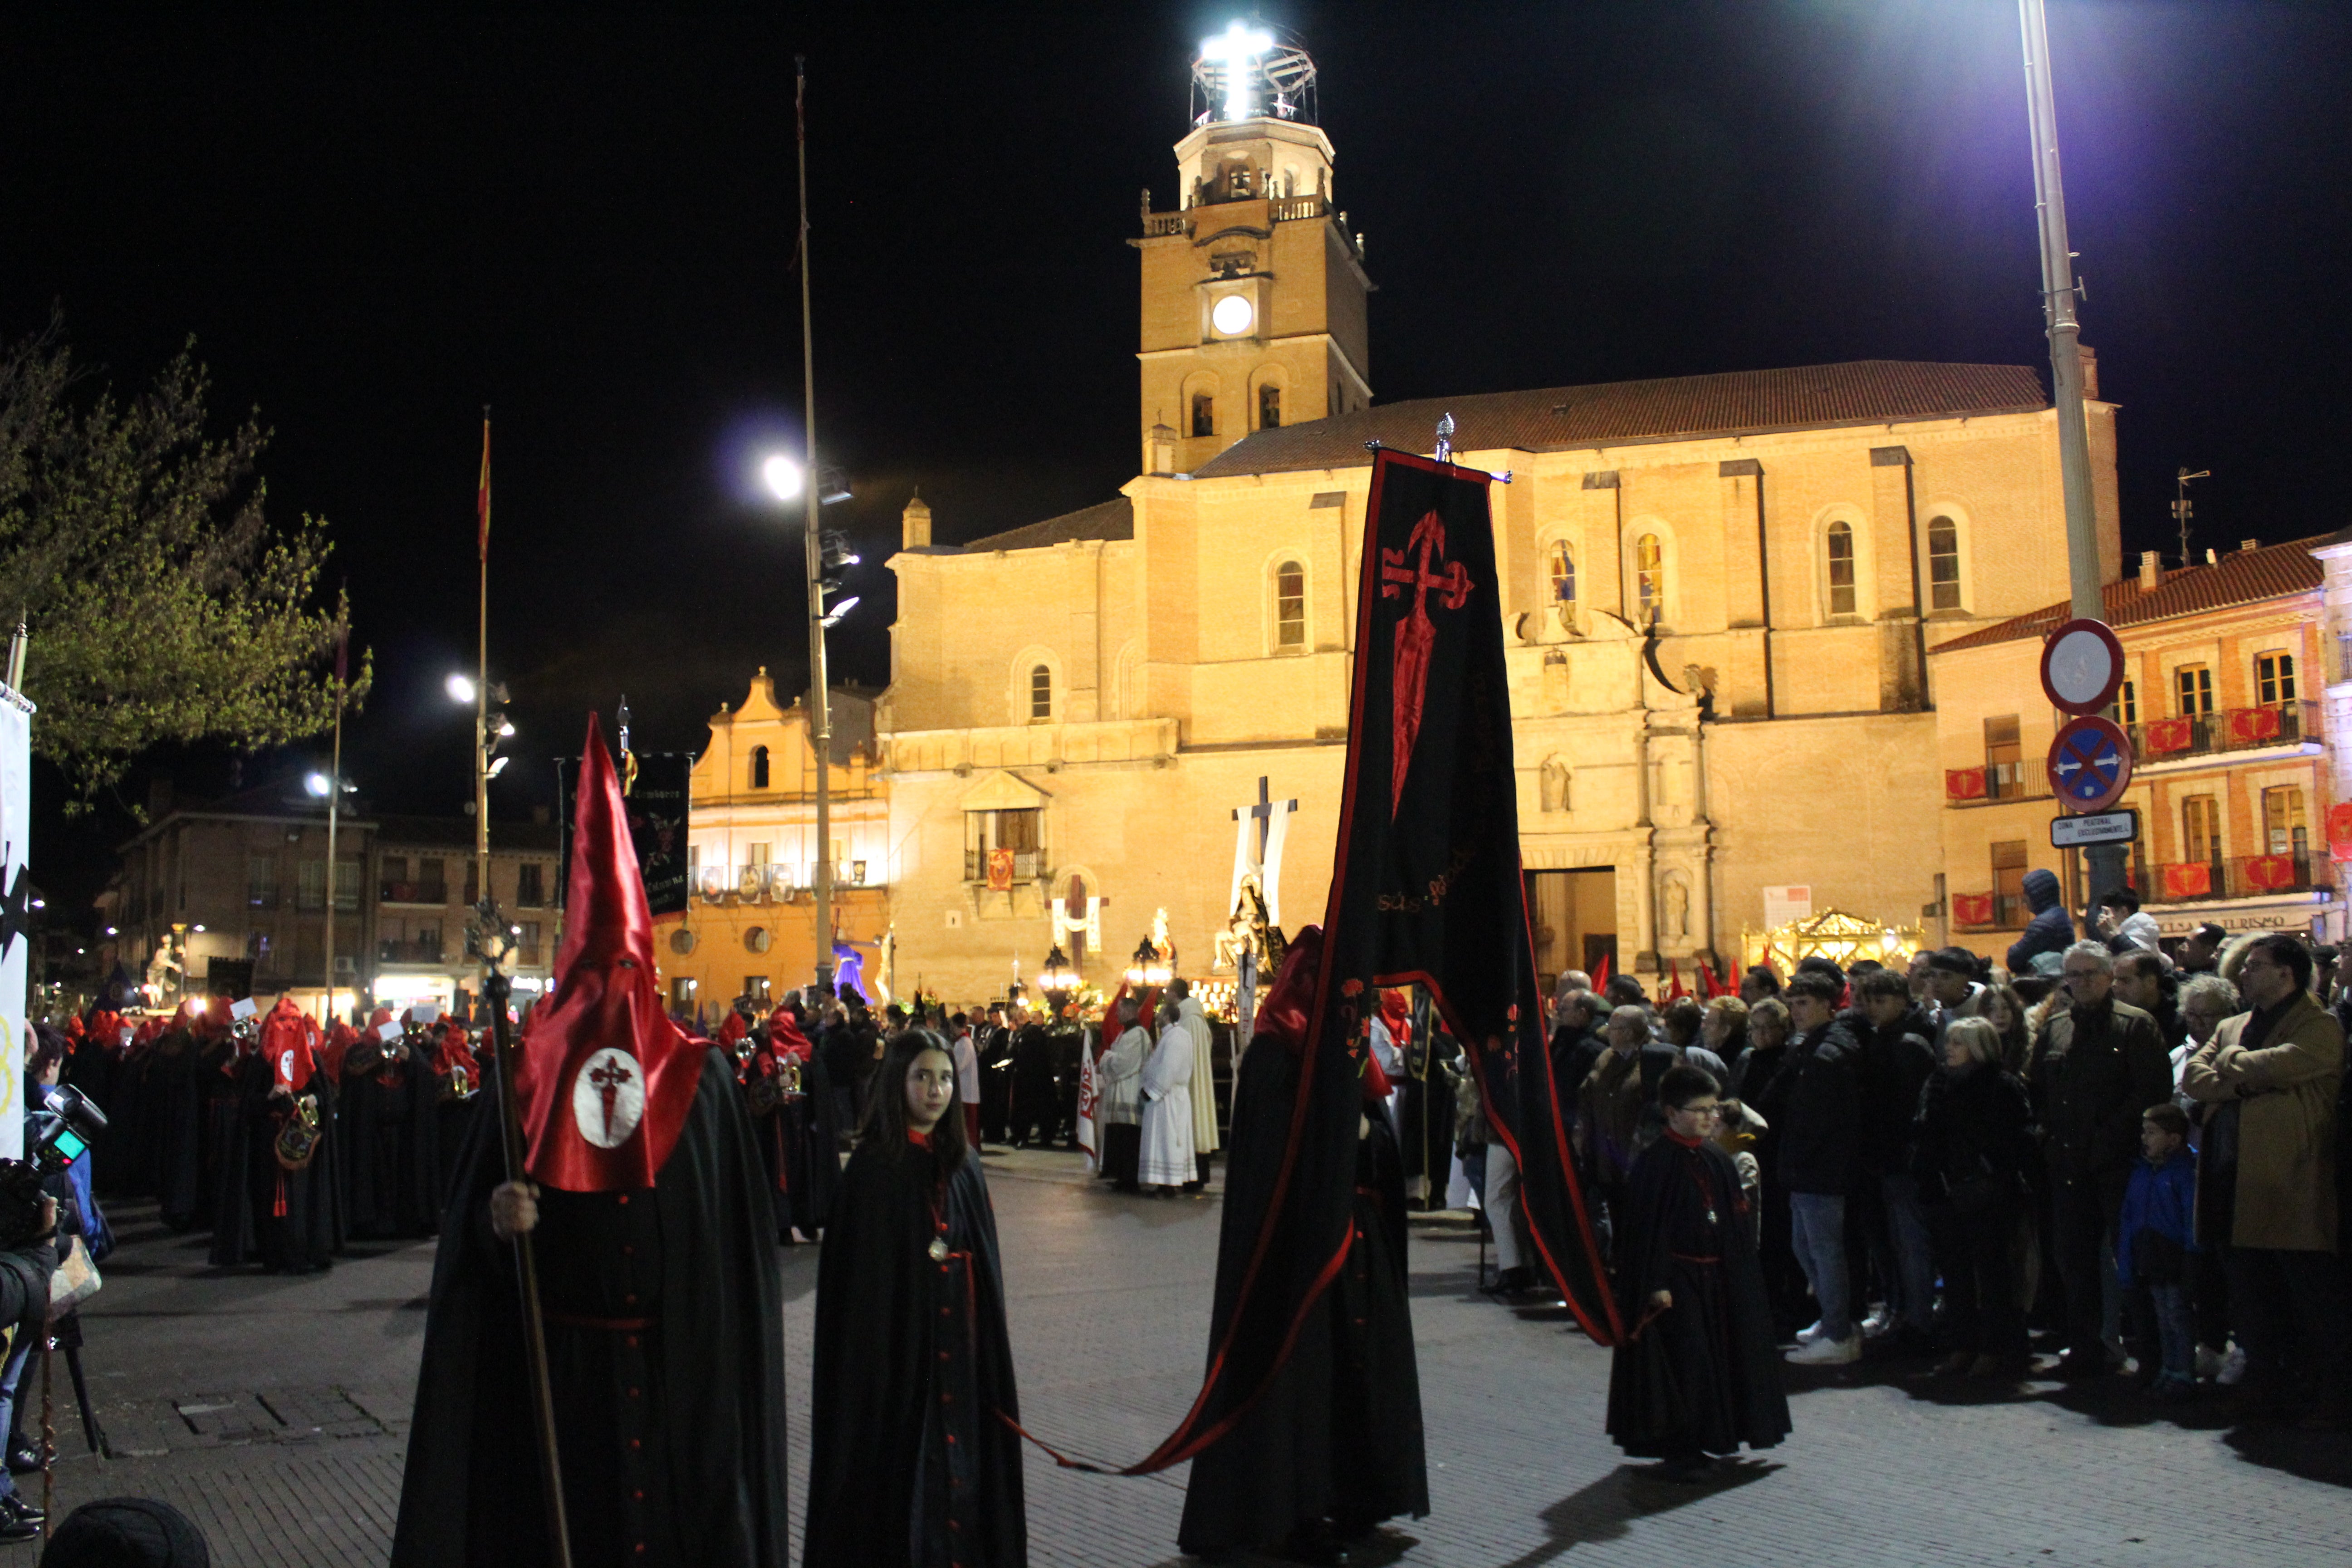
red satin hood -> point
(288, 1039)
(605, 1079)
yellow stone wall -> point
(1171, 697)
(733, 820)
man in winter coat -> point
(2102, 1066)
(1819, 1091)
(1898, 1056)
(2275, 1073)
(2051, 930)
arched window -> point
(1649, 576)
(759, 767)
(1943, 563)
(1204, 415)
(1269, 407)
(1840, 565)
(1562, 563)
(1041, 695)
(1290, 605)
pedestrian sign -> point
(2090, 764)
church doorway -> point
(1574, 917)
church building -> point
(1718, 594)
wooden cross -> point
(1264, 811)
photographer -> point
(28, 1233)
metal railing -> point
(412, 951)
(2225, 730)
(2234, 876)
(1291, 209)
(413, 893)
(1027, 864)
(1157, 223)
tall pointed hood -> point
(604, 1080)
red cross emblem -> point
(1416, 635)
(608, 1079)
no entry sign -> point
(2090, 764)
(2082, 665)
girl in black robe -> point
(914, 1463)
(1698, 1372)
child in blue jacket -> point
(2153, 1242)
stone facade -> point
(1717, 592)
(750, 927)
(2235, 771)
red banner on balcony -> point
(2190, 880)
(1972, 908)
(2250, 724)
(2270, 872)
(1963, 784)
(1000, 870)
(2339, 830)
(2163, 735)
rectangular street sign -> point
(2101, 827)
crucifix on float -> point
(1261, 859)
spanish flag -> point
(482, 495)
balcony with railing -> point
(436, 892)
(2236, 877)
(1989, 911)
(412, 950)
(1027, 864)
(2225, 730)
(2026, 780)
(777, 881)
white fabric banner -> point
(16, 890)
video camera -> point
(75, 1123)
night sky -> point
(374, 226)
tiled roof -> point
(1683, 407)
(1113, 519)
(2246, 578)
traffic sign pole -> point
(2082, 666)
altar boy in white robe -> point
(1168, 1107)
(1118, 1078)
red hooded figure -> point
(604, 1078)
(654, 1238)
(289, 1040)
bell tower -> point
(1254, 289)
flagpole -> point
(334, 801)
(497, 950)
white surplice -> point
(1168, 1112)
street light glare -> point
(320, 785)
(781, 476)
(460, 687)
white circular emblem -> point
(608, 1098)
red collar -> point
(919, 1139)
(1685, 1142)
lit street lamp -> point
(1057, 979)
(492, 729)
(329, 787)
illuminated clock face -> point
(1232, 314)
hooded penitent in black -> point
(910, 1461)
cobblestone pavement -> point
(274, 1413)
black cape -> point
(292, 1212)
(1337, 1435)
(390, 1125)
(703, 1438)
(1703, 1376)
(227, 1098)
(909, 1463)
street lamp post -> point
(332, 787)
(813, 550)
(492, 729)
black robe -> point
(1703, 1375)
(671, 1434)
(909, 1464)
(173, 1118)
(227, 1098)
(292, 1212)
(390, 1122)
(1338, 1434)
(799, 1153)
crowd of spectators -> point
(2122, 1155)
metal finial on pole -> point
(2181, 511)
(1446, 437)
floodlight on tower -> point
(1238, 49)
